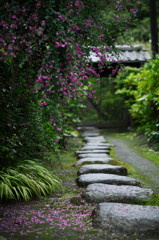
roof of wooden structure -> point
(125, 53)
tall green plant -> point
(26, 181)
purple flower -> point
(43, 104)
(101, 36)
(13, 54)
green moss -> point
(154, 201)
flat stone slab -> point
(96, 151)
(94, 147)
(91, 161)
(86, 179)
(127, 218)
(95, 139)
(98, 144)
(102, 168)
(99, 192)
(90, 134)
(85, 128)
(93, 155)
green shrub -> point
(26, 181)
(125, 86)
(141, 92)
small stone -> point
(93, 161)
(120, 217)
(86, 179)
(102, 168)
(99, 192)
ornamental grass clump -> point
(26, 181)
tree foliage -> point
(141, 92)
(44, 67)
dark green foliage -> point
(44, 69)
(141, 92)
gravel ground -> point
(146, 168)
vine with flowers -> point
(44, 49)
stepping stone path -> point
(127, 218)
(88, 160)
(86, 179)
(94, 147)
(102, 168)
(93, 155)
(99, 192)
(92, 151)
(114, 192)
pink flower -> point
(43, 104)
(51, 120)
(38, 5)
(25, 124)
(13, 55)
(101, 36)
(76, 28)
(43, 23)
(14, 17)
(133, 11)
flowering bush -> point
(44, 65)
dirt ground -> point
(148, 169)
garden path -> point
(148, 169)
(111, 213)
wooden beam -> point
(154, 27)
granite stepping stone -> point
(98, 144)
(92, 155)
(93, 161)
(93, 151)
(86, 128)
(95, 139)
(95, 142)
(90, 134)
(99, 192)
(94, 147)
(85, 179)
(102, 168)
(127, 218)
